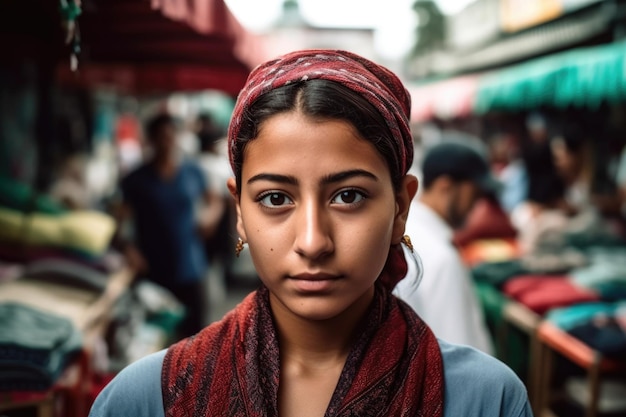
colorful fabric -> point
(567, 318)
(541, 293)
(376, 84)
(601, 326)
(35, 347)
(497, 273)
(87, 231)
(394, 368)
(21, 197)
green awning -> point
(583, 77)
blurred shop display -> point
(512, 55)
(542, 84)
(77, 80)
(138, 44)
(584, 77)
(489, 34)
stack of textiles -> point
(584, 269)
(83, 232)
(551, 280)
(541, 293)
(35, 347)
(51, 242)
(601, 278)
(601, 326)
(605, 272)
(34, 221)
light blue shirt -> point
(476, 384)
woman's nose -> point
(313, 232)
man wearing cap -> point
(454, 175)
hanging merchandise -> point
(70, 10)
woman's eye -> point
(275, 200)
(348, 197)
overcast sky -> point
(393, 21)
(258, 15)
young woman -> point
(320, 146)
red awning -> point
(444, 99)
(162, 45)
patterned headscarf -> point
(376, 84)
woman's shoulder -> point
(479, 384)
(475, 384)
(135, 391)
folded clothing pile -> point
(35, 347)
(601, 325)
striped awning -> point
(582, 77)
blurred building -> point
(292, 32)
(495, 47)
(492, 33)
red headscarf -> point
(375, 83)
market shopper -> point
(455, 175)
(170, 207)
(213, 159)
(588, 185)
(320, 146)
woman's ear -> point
(404, 196)
(232, 187)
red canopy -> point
(445, 99)
(162, 45)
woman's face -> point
(319, 213)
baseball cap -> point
(462, 162)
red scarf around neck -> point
(232, 367)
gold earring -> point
(407, 241)
(238, 247)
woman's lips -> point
(314, 282)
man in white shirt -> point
(453, 177)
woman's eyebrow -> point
(328, 179)
(344, 175)
(285, 179)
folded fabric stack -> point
(541, 293)
(52, 243)
(30, 219)
(35, 347)
(602, 326)
(87, 232)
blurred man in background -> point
(454, 176)
(172, 211)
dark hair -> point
(319, 99)
(429, 178)
(208, 131)
(547, 190)
(156, 123)
(573, 137)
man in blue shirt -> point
(172, 210)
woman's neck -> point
(317, 343)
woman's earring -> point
(407, 241)
(238, 247)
